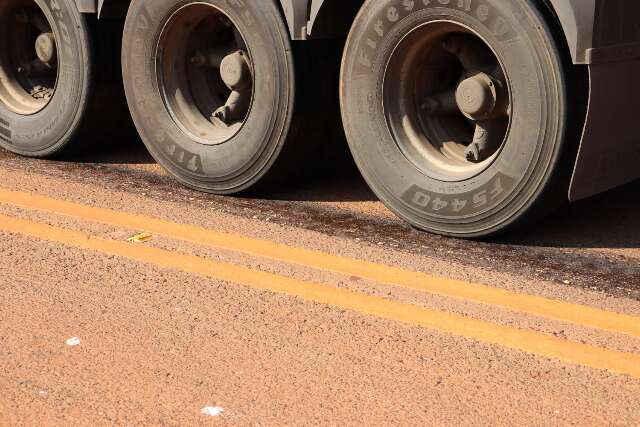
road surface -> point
(126, 299)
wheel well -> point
(113, 8)
(118, 8)
(577, 74)
(333, 18)
(577, 84)
(555, 24)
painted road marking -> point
(538, 306)
(523, 340)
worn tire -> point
(86, 94)
(527, 177)
(272, 144)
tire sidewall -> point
(49, 130)
(242, 160)
(499, 195)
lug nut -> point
(198, 59)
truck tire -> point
(48, 77)
(456, 112)
(219, 95)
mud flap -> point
(609, 153)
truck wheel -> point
(46, 75)
(456, 112)
(211, 88)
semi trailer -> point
(465, 117)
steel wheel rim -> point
(29, 60)
(445, 93)
(205, 73)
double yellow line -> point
(527, 341)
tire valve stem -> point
(198, 59)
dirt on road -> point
(126, 299)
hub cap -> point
(447, 101)
(28, 57)
(205, 73)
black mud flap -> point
(609, 153)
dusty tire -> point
(29, 124)
(263, 143)
(411, 169)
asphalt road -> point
(308, 305)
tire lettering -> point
(392, 14)
(459, 204)
(501, 26)
(479, 10)
(408, 5)
(183, 158)
(439, 204)
(194, 164)
(59, 15)
(421, 199)
(379, 28)
(483, 12)
(480, 199)
(497, 189)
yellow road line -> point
(553, 309)
(527, 341)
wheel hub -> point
(235, 71)
(46, 48)
(477, 96)
(205, 73)
(446, 101)
(28, 57)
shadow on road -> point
(608, 220)
(341, 184)
(339, 181)
(126, 150)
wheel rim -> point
(447, 101)
(28, 57)
(205, 73)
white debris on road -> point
(212, 411)
(73, 341)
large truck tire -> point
(218, 94)
(456, 112)
(51, 75)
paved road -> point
(308, 305)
